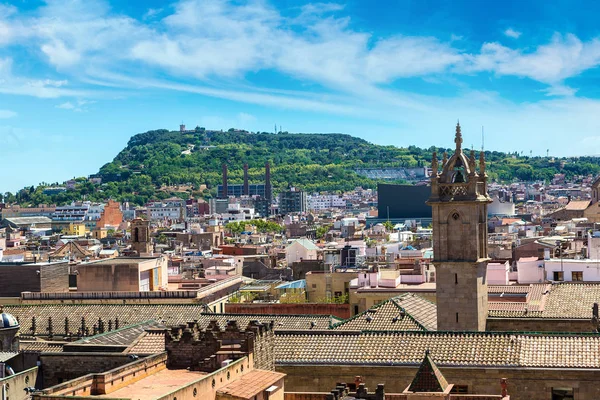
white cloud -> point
(152, 12)
(66, 106)
(7, 114)
(511, 33)
(60, 55)
(78, 106)
(560, 90)
(564, 57)
(211, 47)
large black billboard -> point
(404, 201)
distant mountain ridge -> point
(155, 162)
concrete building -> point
(459, 203)
(498, 273)
(300, 249)
(235, 212)
(325, 201)
(530, 270)
(127, 274)
(292, 201)
(173, 209)
(33, 277)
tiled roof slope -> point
(124, 336)
(446, 349)
(152, 342)
(564, 301)
(41, 346)
(408, 312)
(169, 314)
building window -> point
(562, 394)
(577, 276)
(457, 318)
(456, 279)
(558, 276)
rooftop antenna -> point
(482, 138)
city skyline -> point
(78, 79)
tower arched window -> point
(459, 172)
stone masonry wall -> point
(523, 384)
(190, 347)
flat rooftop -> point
(120, 260)
(251, 384)
(156, 385)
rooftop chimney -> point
(246, 188)
(268, 194)
(225, 181)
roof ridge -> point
(376, 306)
(113, 331)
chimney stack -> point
(225, 181)
(268, 194)
(246, 188)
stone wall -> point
(104, 277)
(60, 367)
(15, 279)
(204, 350)
(15, 384)
(54, 278)
(539, 325)
(462, 296)
(523, 384)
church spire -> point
(458, 139)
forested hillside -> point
(155, 162)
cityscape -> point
(204, 261)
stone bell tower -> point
(141, 242)
(459, 201)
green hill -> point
(155, 162)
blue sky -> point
(79, 77)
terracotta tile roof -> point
(577, 205)
(128, 314)
(564, 300)
(407, 312)
(6, 355)
(251, 384)
(152, 342)
(509, 221)
(487, 349)
(41, 346)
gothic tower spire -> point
(459, 201)
(458, 138)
